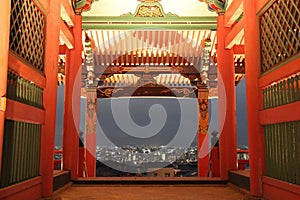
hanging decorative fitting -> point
(216, 5)
(81, 5)
(89, 59)
(205, 60)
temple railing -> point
(243, 159)
(58, 159)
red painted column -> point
(203, 137)
(227, 103)
(72, 103)
(255, 130)
(215, 162)
(4, 46)
(90, 137)
(81, 163)
(49, 97)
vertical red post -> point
(255, 130)
(49, 97)
(215, 162)
(72, 102)
(203, 139)
(227, 102)
(4, 46)
(81, 164)
(90, 137)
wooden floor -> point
(150, 192)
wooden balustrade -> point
(23, 91)
(21, 152)
(282, 144)
(283, 92)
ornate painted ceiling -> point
(181, 8)
(165, 37)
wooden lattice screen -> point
(283, 92)
(21, 141)
(24, 91)
(282, 143)
(21, 152)
(280, 33)
(27, 33)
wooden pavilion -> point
(172, 48)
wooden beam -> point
(62, 49)
(284, 70)
(66, 12)
(254, 99)
(66, 35)
(233, 12)
(285, 113)
(42, 5)
(25, 71)
(27, 189)
(235, 35)
(238, 50)
(24, 113)
(262, 5)
(72, 105)
(275, 189)
(226, 103)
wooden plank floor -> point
(150, 192)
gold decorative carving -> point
(149, 11)
(186, 92)
(109, 91)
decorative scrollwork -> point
(109, 91)
(186, 92)
(203, 106)
(203, 109)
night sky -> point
(166, 115)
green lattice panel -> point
(282, 145)
(283, 92)
(27, 32)
(24, 91)
(280, 33)
(21, 152)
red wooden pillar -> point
(90, 137)
(49, 97)
(215, 162)
(203, 139)
(255, 130)
(227, 102)
(72, 102)
(81, 164)
(4, 46)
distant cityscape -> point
(147, 161)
